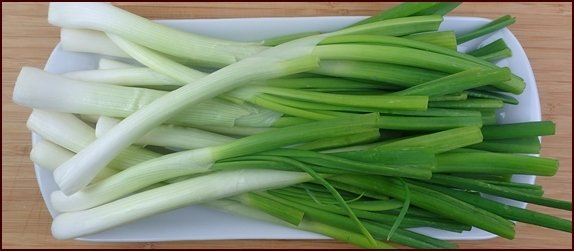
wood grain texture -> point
(544, 29)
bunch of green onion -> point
(360, 134)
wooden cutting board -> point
(544, 29)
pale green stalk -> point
(169, 135)
(73, 134)
(108, 18)
(289, 58)
(133, 76)
(201, 49)
(446, 59)
(231, 206)
(91, 41)
(39, 89)
(201, 160)
(169, 197)
(279, 61)
(106, 64)
(235, 130)
(48, 155)
(249, 93)
(445, 39)
(157, 62)
(397, 11)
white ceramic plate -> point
(200, 223)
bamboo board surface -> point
(544, 30)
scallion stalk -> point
(383, 73)
(495, 163)
(440, 141)
(169, 197)
(201, 160)
(108, 18)
(397, 11)
(498, 191)
(403, 236)
(434, 201)
(509, 212)
(134, 76)
(445, 39)
(519, 130)
(76, 173)
(495, 25)
(441, 8)
(518, 145)
(492, 51)
(42, 90)
(73, 134)
(169, 135)
(458, 82)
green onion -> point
(318, 83)
(340, 141)
(376, 205)
(92, 158)
(370, 101)
(474, 103)
(488, 118)
(413, 157)
(169, 136)
(516, 85)
(441, 8)
(495, 163)
(440, 141)
(107, 18)
(402, 236)
(394, 27)
(306, 223)
(404, 208)
(333, 191)
(509, 212)
(107, 64)
(518, 145)
(427, 123)
(335, 162)
(404, 56)
(519, 130)
(39, 89)
(201, 160)
(445, 39)
(495, 25)
(170, 197)
(388, 219)
(398, 11)
(436, 112)
(499, 191)
(493, 51)
(392, 126)
(283, 39)
(235, 130)
(287, 213)
(91, 41)
(73, 134)
(457, 82)
(492, 95)
(49, 155)
(450, 97)
(135, 76)
(433, 201)
(383, 73)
